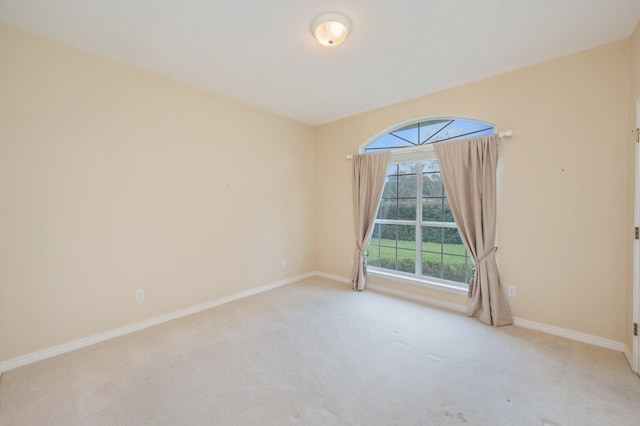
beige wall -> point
(563, 185)
(633, 98)
(112, 180)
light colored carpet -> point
(316, 353)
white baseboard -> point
(570, 334)
(519, 322)
(627, 354)
(398, 293)
(416, 297)
(333, 277)
(88, 341)
(81, 343)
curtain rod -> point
(505, 134)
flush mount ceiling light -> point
(331, 28)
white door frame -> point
(636, 249)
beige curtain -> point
(468, 169)
(369, 172)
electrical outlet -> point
(283, 262)
(511, 291)
(351, 262)
(139, 295)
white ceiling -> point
(261, 52)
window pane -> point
(406, 254)
(406, 236)
(447, 215)
(407, 260)
(432, 251)
(390, 189)
(428, 132)
(432, 265)
(407, 168)
(407, 209)
(388, 209)
(432, 209)
(397, 247)
(409, 133)
(444, 255)
(430, 128)
(432, 185)
(461, 129)
(407, 186)
(388, 235)
(373, 251)
(432, 239)
(376, 232)
(430, 166)
(453, 268)
(373, 254)
(386, 142)
(452, 242)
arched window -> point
(415, 236)
(427, 132)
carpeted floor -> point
(316, 353)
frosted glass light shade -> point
(331, 29)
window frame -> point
(420, 153)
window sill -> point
(416, 281)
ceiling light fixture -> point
(331, 28)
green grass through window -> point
(445, 261)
